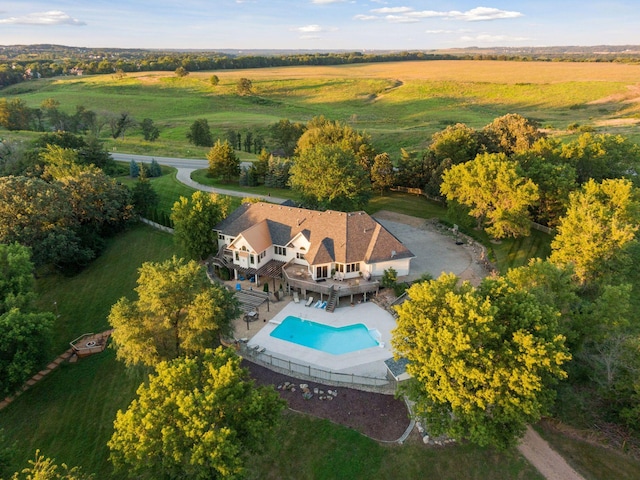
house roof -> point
(334, 236)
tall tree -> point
(178, 313)
(285, 135)
(223, 161)
(24, 347)
(150, 131)
(244, 86)
(457, 143)
(511, 133)
(200, 134)
(382, 177)
(194, 419)
(16, 277)
(483, 360)
(143, 196)
(330, 177)
(603, 156)
(321, 131)
(599, 228)
(499, 197)
(194, 221)
(38, 215)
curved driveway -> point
(185, 167)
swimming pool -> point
(333, 340)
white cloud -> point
(485, 13)
(309, 29)
(392, 10)
(407, 14)
(400, 19)
(486, 38)
(366, 17)
(53, 17)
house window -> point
(280, 250)
(237, 256)
(353, 267)
(221, 236)
(251, 259)
(340, 267)
(261, 256)
(300, 256)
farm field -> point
(400, 104)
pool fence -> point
(316, 374)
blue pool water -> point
(334, 340)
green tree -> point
(15, 114)
(603, 156)
(194, 221)
(244, 86)
(498, 196)
(457, 143)
(214, 80)
(178, 312)
(285, 135)
(43, 468)
(483, 360)
(134, 169)
(120, 124)
(597, 231)
(223, 161)
(24, 347)
(200, 134)
(382, 177)
(329, 177)
(16, 277)
(38, 215)
(321, 131)
(181, 72)
(143, 196)
(150, 131)
(94, 153)
(511, 133)
(194, 419)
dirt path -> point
(548, 462)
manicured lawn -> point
(69, 415)
(309, 448)
(84, 300)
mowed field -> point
(400, 104)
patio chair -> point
(296, 299)
(309, 302)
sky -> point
(319, 24)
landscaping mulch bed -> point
(378, 416)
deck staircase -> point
(333, 299)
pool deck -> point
(369, 361)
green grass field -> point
(399, 104)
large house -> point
(308, 245)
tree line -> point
(23, 63)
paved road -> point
(185, 167)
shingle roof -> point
(334, 236)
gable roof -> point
(334, 236)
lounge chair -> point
(296, 299)
(323, 304)
(317, 304)
(309, 302)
